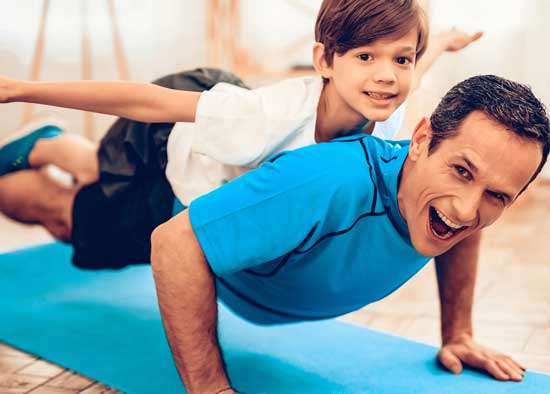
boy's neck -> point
(337, 119)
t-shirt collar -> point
(392, 167)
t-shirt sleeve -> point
(235, 125)
(267, 212)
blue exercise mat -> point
(106, 325)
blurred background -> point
(259, 40)
(266, 40)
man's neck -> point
(335, 118)
(402, 186)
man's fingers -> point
(495, 369)
(480, 361)
(450, 361)
(520, 366)
(511, 369)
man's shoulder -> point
(373, 148)
(341, 164)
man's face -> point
(374, 80)
(465, 183)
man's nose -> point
(467, 206)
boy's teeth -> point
(378, 95)
(448, 221)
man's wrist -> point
(224, 390)
(456, 336)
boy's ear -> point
(319, 61)
(420, 140)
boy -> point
(367, 69)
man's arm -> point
(456, 276)
(138, 101)
(187, 300)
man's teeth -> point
(447, 235)
(380, 96)
(448, 221)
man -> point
(323, 230)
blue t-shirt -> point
(314, 233)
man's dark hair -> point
(347, 24)
(509, 103)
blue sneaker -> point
(15, 150)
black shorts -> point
(113, 219)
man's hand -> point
(454, 40)
(456, 277)
(463, 350)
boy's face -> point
(465, 183)
(374, 80)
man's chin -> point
(429, 249)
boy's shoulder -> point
(297, 84)
(285, 101)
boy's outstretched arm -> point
(452, 40)
(138, 101)
(456, 276)
(187, 299)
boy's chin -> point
(377, 115)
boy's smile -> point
(464, 184)
(372, 81)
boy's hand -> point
(464, 350)
(8, 89)
(454, 40)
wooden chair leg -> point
(28, 108)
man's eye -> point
(461, 171)
(498, 196)
(364, 57)
(403, 60)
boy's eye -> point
(364, 57)
(403, 60)
(464, 173)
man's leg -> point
(32, 196)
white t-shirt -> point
(236, 129)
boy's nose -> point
(384, 74)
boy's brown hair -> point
(346, 24)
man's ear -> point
(319, 61)
(420, 140)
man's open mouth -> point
(443, 227)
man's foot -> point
(15, 150)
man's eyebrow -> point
(474, 169)
(469, 163)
